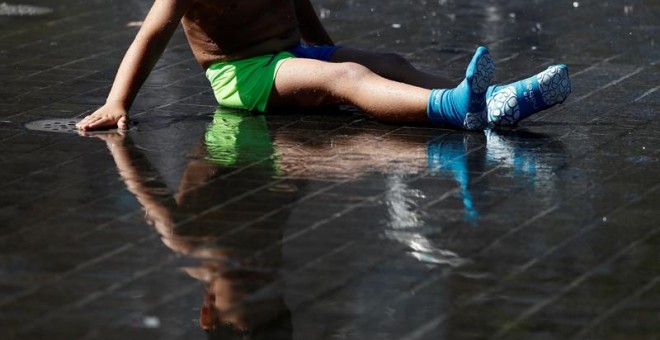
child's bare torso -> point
(222, 30)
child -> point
(269, 54)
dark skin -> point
(383, 85)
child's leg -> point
(509, 104)
(310, 83)
(392, 66)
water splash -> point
(627, 10)
(22, 10)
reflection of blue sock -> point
(509, 104)
(450, 155)
(462, 107)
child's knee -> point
(350, 72)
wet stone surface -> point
(329, 225)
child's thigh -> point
(308, 82)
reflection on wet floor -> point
(241, 268)
(240, 294)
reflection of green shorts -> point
(245, 84)
(240, 138)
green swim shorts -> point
(245, 84)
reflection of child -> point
(285, 58)
(199, 221)
(230, 271)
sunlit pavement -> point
(329, 225)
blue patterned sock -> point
(464, 107)
(509, 104)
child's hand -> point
(107, 116)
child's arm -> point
(313, 32)
(146, 49)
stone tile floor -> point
(329, 225)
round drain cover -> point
(67, 125)
(22, 10)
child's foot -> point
(509, 104)
(464, 107)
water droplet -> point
(324, 13)
(628, 9)
(151, 321)
(22, 10)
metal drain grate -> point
(22, 10)
(66, 125)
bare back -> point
(222, 30)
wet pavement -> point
(329, 225)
